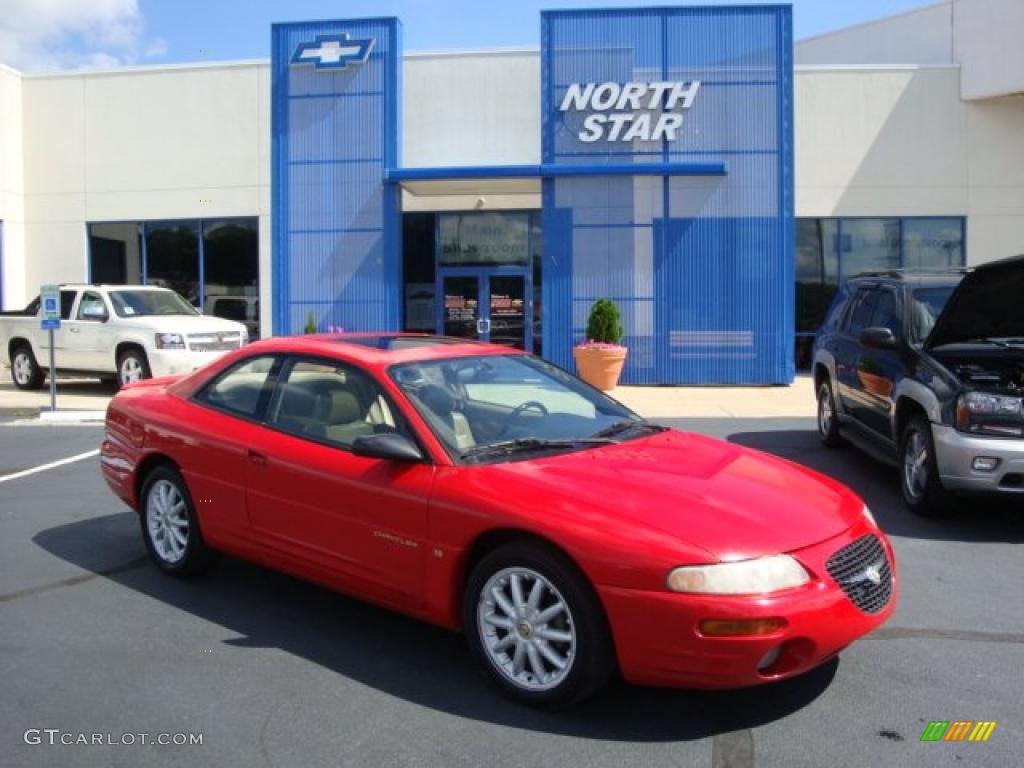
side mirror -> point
(387, 445)
(881, 338)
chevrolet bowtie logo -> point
(333, 51)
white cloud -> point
(156, 47)
(40, 35)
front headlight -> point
(746, 577)
(170, 341)
(985, 414)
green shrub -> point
(605, 324)
(310, 324)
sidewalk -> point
(795, 401)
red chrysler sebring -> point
(485, 490)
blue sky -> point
(61, 34)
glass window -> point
(928, 303)
(473, 402)
(67, 303)
(91, 307)
(869, 245)
(172, 257)
(115, 253)
(231, 271)
(332, 403)
(886, 314)
(243, 390)
(484, 238)
(143, 302)
(933, 243)
(863, 309)
(418, 273)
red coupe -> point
(482, 489)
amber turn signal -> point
(738, 627)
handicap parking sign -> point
(49, 296)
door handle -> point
(483, 325)
(73, 329)
(257, 458)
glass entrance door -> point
(485, 305)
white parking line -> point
(51, 465)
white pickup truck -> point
(119, 332)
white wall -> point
(178, 142)
(918, 36)
(12, 176)
(900, 142)
(989, 46)
(471, 109)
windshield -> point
(150, 302)
(511, 404)
(927, 304)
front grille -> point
(849, 567)
(214, 342)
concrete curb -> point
(71, 417)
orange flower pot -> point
(600, 366)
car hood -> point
(987, 302)
(733, 502)
(188, 324)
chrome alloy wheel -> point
(825, 414)
(131, 369)
(526, 629)
(22, 366)
(166, 521)
(915, 465)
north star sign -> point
(616, 109)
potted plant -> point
(310, 324)
(600, 358)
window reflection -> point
(172, 257)
(231, 271)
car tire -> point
(828, 421)
(170, 526)
(919, 477)
(132, 366)
(539, 653)
(25, 371)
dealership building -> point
(711, 175)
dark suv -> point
(926, 371)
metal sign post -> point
(49, 320)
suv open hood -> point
(988, 302)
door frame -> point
(483, 274)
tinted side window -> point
(835, 314)
(863, 309)
(330, 402)
(91, 307)
(886, 313)
(243, 390)
(67, 301)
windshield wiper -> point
(626, 425)
(532, 444)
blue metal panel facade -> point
(336, 222)
(700, 265)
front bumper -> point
(955, 453)
(168, 362)
(658, 641)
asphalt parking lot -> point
(272, 671)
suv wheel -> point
(132, 366)
(919, 476)
(25, 371)
(828, 422)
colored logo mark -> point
(333, 51)
(958, 730)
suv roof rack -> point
(923, 271)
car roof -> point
(938, 277)
(380, 349)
